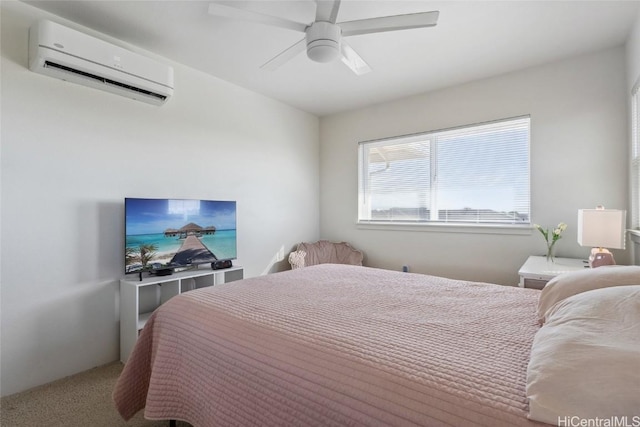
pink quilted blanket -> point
(335, 345)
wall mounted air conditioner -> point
(67, 54)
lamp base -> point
(600, 257)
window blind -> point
(475, 174)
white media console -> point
(139, 298)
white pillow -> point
(567, 284)
(585, 360)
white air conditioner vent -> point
(70, 55)
(104, 80)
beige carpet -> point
(80, 400)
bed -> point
(337, 345)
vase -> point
(550, 249)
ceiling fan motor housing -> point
(323, 41)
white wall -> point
(633, 55)
(579, 155)
(70, 155)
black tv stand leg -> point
(172, 423)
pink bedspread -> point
(336, 345)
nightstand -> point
(537, 271)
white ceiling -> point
(473, 40)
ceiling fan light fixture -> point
(323, 50)
(323, 41)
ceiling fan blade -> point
(389, 23)
(327, 10)
(285, 55)
(219, 9)
(352, 59)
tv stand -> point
(140, 296)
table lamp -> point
(601, 228)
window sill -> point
(448, 228)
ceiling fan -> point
(324, 40)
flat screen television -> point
(174, 233)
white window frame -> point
(634, 167)
(514, 227)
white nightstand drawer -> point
(537, 270)
(534, 283)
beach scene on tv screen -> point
(175, 233)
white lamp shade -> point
(603, 228)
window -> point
(469, 175)
(635, 159)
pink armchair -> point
(323, 252)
